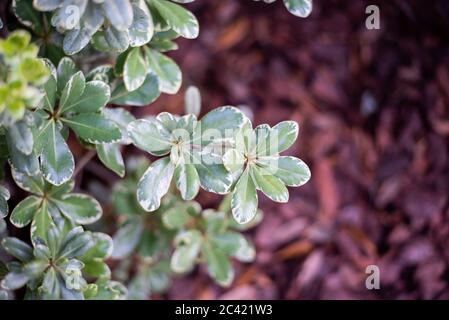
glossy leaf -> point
(154, 184)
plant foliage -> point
(70, 71)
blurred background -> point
(374, 124)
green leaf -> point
(154, 184)
(14, 280)
(271, 186)
(94, 128)
(150, 136)
(233, 160)
(167, 71)
(188, 246)
(119, 13)
(57, 191)
(102, 249)
(300, 8)
(278, 139)
(24, 212)
(110, 156)
(111, 39)
(41, 223)
(18, 249)
(33, 184)
(218, 265)
(168, 121)
(27, 15)
(127, 238)
(179, 19)
(292, 171)
(95, 96)
(213, 177)
(66, 70)
(246, 251)
(80, 208)
(187, 180)
(146, 94)
(20, 134)
(75, 243)
(51, 289)
(46, 5)
(72, 92)
(175, 218)
(244, 199)
(142, 29)
(228, 242)
(56, 159)
(28, 164)
(75, 40)
(3, 211)
(222, 119)
(96, 269)
(135, 69)
(50, 93)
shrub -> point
(45, 96)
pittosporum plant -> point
(300, 8)
(117, 60)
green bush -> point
(161, 231)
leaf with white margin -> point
(246, 252)
(80, 208)
(95, 96)
(292, 171)
(94, 128)
(24, 212)
(65, 71)
(135, 69)
(122, 118)
(24, 11)
(110, 156)
(218, 265)
(233, 160)
(179, 19)
(281, 137)
(244, 199)
(127, 238)
(18, 249)
(300, 8)
(46, 5)
(14, 280)
(146, 94)
(271, 186)
(188, 245)
(142, 29)
(42, 222)
(75, 40)
(168, 72)
(56, 159)
(213, 176)
(168, 120)
(150, 136)
(72, 92)
(119, 13)
(20, 134)
(154, 184)
(187, 181)
(111, 39)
